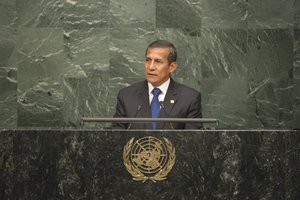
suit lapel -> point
(144, 98)
(169, 102)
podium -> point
(209, 164)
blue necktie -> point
(155, 106)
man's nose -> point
(152, 65)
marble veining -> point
(85, 164)
(243, 56)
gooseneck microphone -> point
(165, 111)
(139, 108)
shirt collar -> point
(163, 87)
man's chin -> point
(153, 82)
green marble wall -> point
(64, 59)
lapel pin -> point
(172, 101)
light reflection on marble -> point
(42, 64)
(224, 53)
(133, 13)
(86, 14)
(88, 49)
(296, 71)
(37, 13)
(8, 97)
(86, 98)
(127, 51)
(189, 51)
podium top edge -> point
(135, 120)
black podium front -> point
(89, 164)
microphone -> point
(165, 111)
(135, 115)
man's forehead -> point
(162, 51)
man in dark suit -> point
(159, 95)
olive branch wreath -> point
(138, 175)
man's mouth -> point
(151, 74)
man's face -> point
(157, 66)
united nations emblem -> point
(149, 158)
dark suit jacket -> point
(180, 102)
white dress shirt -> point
(164, 88)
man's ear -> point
(173, 67)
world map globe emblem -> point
(149, 158)
(149, 155)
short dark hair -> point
(172, 57)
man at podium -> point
(159, 96)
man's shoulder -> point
(184, 88)
(134, 87)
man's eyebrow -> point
(153, 58)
